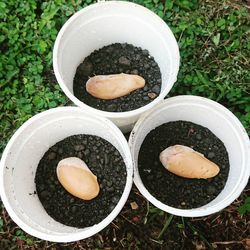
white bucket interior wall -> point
(28, 149)
(220, 122)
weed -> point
(22, 237)
(213, 38)
(196, 232)
(152, 212)
(1, 225)
(28, 31)
(166, 224)
(245, 207)
(214, 41)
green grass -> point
(214, 41)
(245, 207)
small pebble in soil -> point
(64, 207)
(124, 61)
(114, 59)
(152, 95)
(174, 190)
(198, 136)
(52, 156)
(211, 155)
(134, 205)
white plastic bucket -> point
(222, 123)
(22, 155)
(110, 22)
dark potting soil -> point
(174, 190)
(103, 159)
(114, 59)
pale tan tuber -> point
(109, 87)
(77, 178)
(186, 162)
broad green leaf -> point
(216, 39)
(247, 200)
(169, 4)
(221, 22)
(242, 210)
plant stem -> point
(200, 235)
(167, 223)
(146, 216)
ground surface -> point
(214, 40)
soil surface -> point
(171, 189)
(103, 159)
(114, 59)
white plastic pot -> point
(222, 123)
(110, 22)
(22, 155)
